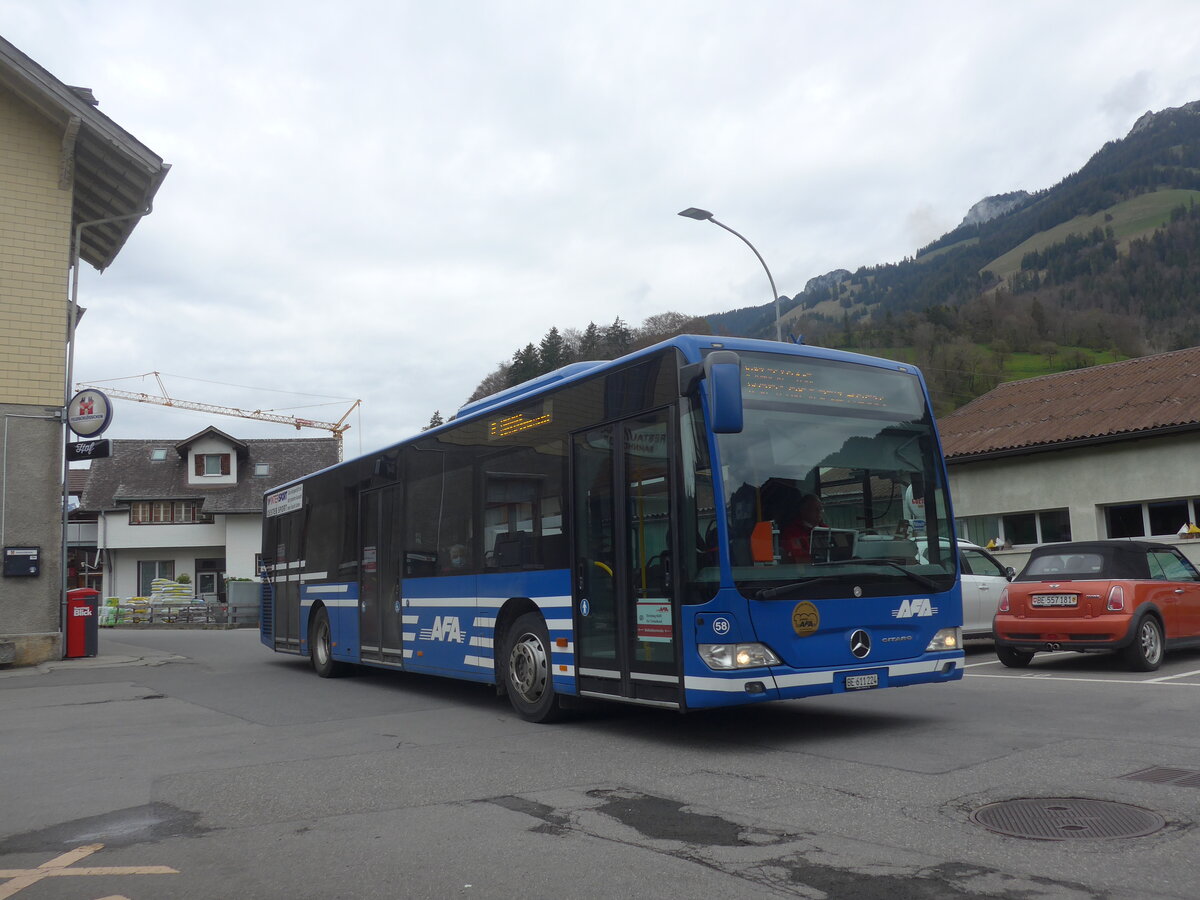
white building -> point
(192, 507)
(1105, 452)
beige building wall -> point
(35, 223)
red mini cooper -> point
(1134, 596)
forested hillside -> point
(1104, 265)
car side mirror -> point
(1010, 573)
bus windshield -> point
(834, 484)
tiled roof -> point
(76, 481)
(129, 474)
(1123, 399)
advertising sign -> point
(89, 413)
(285, 501)
(98, 449)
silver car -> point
(983, 578)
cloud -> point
(386, 199)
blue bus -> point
(705, 522)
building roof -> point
(76, 481)
(212, 431)
(1118, 401)
(110, 171)
(130, 474)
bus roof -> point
(692, 346)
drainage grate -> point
(1064, 819)
(1166, 775)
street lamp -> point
(701, 215)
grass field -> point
(1017, 366)
(1132, 219)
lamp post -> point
(703, 214)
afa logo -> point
(445, 628)
(915, 608)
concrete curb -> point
(91, 662)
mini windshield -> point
(834, 483)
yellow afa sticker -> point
(805, 619)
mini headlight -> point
(737, 656)
(946, 639)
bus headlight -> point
(946, 639)
(737, 656)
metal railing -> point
(182, 613)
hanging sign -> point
(89, 413)
(97, 449)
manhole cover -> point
(1058, 819)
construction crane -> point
(166, 399)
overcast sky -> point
(383, 200)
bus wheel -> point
(527, 670)
(320, 647)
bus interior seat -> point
(514, 548)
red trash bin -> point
(83, 623)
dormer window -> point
(158, 454)
(262, 468)
(212, 463)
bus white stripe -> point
(337, 602)
(481, 622)
(481, 662)
(553, 602)
(559, 624)
(407, 636)
(727, 685)
(328, 588)
(410, 620)
(481, 642)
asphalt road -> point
(198, 764)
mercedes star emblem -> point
(860, 644)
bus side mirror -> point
(723, 390)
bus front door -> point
(624, 594)
(379, 611)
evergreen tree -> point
(553, 352)
(435, 420)
(589, 343)
(524, 365)
(617, 339)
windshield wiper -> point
(772, 593)
(915, 576)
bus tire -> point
(320, 647)
(526, 670)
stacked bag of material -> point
(165, 589)
(166, 596)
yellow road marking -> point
(60, 865)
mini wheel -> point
(1145, 654)
(320, 647)
(527, 678)
(1014, 659)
